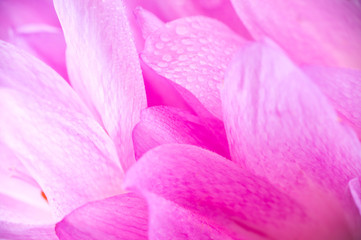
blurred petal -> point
(343, 89)
(147, 21)
(221, 10)
(280, 126)
(355, 187)
(104, 67)
(121, 217)
(193, 52)
(224, 197)
(53, 134)
(316, 32)
(161, 125)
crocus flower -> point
(252, 129)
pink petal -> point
(221, 10)
(355, 187)
(104, 67)
(53, 134)
(323, 32)
(217, 192)
(282, 127)
(23, 221)
(193, 52)
(15, 231)
(121, 217)
(343, 89)
(161, 125)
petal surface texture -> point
(326, 32)
(193, 52)
(53, 134)
(343, 89)
(104, 67)
(274, 114)
(280, 126)
(216, 198)
(120, 217)
(161, 125)
(355, 187)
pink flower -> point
(174, 126)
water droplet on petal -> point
(181, 30)
(167, 58)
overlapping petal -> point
(104, 67)
(53, 134)
(193, 52)
(121, 217)
(355, 187)
(161, 125)
(343, 89)
(203, 188)
(281, 126)
(323, 32)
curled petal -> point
(53, 134)
(323, 32)
(193, 53)
(160, 125)
(104, 67)
(120, 217)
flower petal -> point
(53, 134)
(15, 231)
(193, 52)
(278, 123)
(304, 28)
(343, 89)
(355, 187)
(161, 125)
(227, 198)
(121, 217)
(104, 66)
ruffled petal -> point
(217, 192)
(104, 67)
(53, 134)
(343, 89)
(281, 126)
(161, 125)
(121, 217)
(193, 53)
(315, 32)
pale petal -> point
(229, 199)
(343, 89)
(161, 125)
(279, 125)
(193, 52)
(104, 67)
(317, 32)
(23, 221)
(53, 134)
(120, 217)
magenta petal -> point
(343, 89)
(276, 120)
(121, 217)
(230, 200)
(193, 52)
(104, 66)
(317, 32)
(53, 134)
(160, 125)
